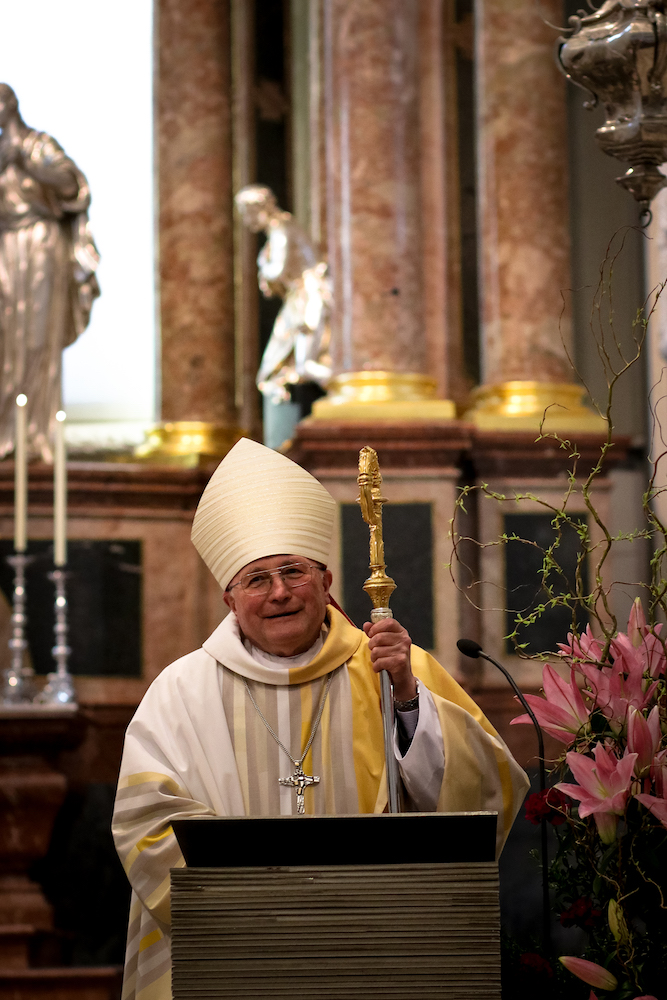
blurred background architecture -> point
(447, 174)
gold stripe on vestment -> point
(505, 773)
(153, 838)
(150, 939)
(145, 777)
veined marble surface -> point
(523, 194)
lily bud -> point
(636, 623)
(617, 924)
(643, 737)
(589, 972)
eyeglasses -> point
(260, 582)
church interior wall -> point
(603, 222)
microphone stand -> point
(473, 649)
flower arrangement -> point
(608, 804)
(610, 870)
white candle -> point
(60, 493)
(21, 475)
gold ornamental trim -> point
(188, 443)
(523, 405)
(382, 396)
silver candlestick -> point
(59, 688)
(18, 681)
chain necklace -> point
(298, 781)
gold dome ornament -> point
(188, 443)
(382, 396)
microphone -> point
(473, 649)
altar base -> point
(32, 789)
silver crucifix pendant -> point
(299, 782)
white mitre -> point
(259, 503)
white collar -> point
(226, 645)
(275, 662)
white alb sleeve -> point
(423, 766)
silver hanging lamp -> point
(618, 54)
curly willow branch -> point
(594, 601)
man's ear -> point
(228, 598)
(327, 580)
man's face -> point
(287, 620)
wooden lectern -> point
(333, 907)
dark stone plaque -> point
(523, 582)
(408, 544)
(104, 598)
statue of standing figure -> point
(298, 348)
(48, 260)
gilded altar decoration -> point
(619, 55)
(48, 261)
(287, 266)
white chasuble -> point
(197, 746)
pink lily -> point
(645, 997)
(646, 639)
(632, 660)
(583, 647)
(615, 688)
(644, 737)
(654, 652)
(590, 972)
(562, 712)
(604, 785)
(656, 806)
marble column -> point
(194, 179)
(440, 36)
(373, 221)
(523, 222)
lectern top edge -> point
(425, 838)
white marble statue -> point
(48, 261)
(298, 349)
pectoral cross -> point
(299, 782)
